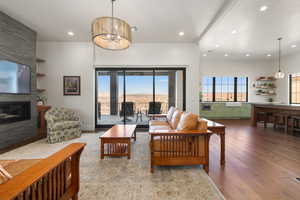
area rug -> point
(123, 179)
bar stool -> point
(262, 117)
(281, 119)
(295, 124)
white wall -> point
(291, 65)
(77, 59)
(217, 66)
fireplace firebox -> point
(14, 111)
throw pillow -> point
(170, 113)
(175, 119)
(188, 121)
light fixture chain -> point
(279, 54)
(112, 17)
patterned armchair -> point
(62, 124)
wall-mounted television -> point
(15, 78)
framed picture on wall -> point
(71, 85)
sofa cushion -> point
(188, 121)
(158, 123)
(202, 125)
(170, 113)
(175, 119)
(160, 127)
(65, 125)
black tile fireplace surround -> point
(14, 111)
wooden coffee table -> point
(117, 141)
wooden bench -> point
(55, 177)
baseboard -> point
(89, 131)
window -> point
(242, 89)
(225, 89)
(207, 89)
(295, 88)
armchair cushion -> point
(188, 121)
(64, 125)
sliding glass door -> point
(132, 95)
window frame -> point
(235, 90)
(291, 90)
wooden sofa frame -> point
(180, 141)
(55, 177)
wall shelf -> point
(265, 94)
(265, 86)
(40, 90)
(40, 74)
(39, 60)
(269, 78)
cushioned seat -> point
(65, 125)
(158, 123)
(161, 127)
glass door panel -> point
(179, 90)
(107, 106)
(139, 95)
(121, 98)
(164, 88)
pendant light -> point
(279, 74)
(111, 33)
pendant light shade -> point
(111, 33)
(279, 74)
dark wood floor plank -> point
(260, 163)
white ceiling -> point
(161, 20)
(157, 20)
(257, 32)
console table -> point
(219, 129)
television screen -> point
(14, 78)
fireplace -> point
(14, 111)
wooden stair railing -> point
(52, 178)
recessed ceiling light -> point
(263, 8)
(226, 55)
(134, 29)
(269, 55)
(234, 32)
(293, 46)
(217, 46)
(247, 54)
(205, 55)
(181, 33)
(70, 33)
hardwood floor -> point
(260, 163)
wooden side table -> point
(218, 129)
